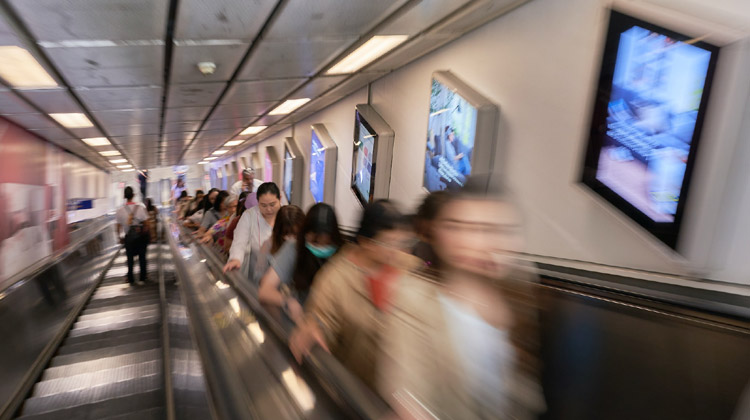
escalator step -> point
(101, 364)
(92, 311)
(104, 318)
(119, 300)
(157, 413)
(91, 380)
(111, 335)
(128, 322)
(106, 351)
(96, 408)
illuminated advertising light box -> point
(461, 133)
(272, 168)
(293, 172)
(650, 104)
(372, 155)
(323, 153)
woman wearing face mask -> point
(287, 282)
(352, 291)
(461, 342)
(253, 229)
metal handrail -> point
(18, 279)
(335, 379)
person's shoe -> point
(139, 282)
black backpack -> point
(135, 231)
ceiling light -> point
(124, 166)
(219, 152)
(289, 106)
(72, 120)
(110, 153)
(203, 163)
(96, 141)
(233, 143)
(253, 130)
(128, 170)
(368, 52)
(211, 158)
(118, 161)
(21, 70)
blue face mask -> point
(321, 251)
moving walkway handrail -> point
(338, 382)
(97, 225)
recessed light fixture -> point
(232, 143)
(255, 129)
(110, 153)
(203, 162)
(219, 152)
(72, 120)
(96, 141)
(118, 161)
(128, 170)
(21, 70)
(210, 158)
(368, 52)
(289, 106)
(124, 166)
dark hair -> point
(320, 219)
(268, 188)
(183, 194)
(150, 205)
(198, 200)
(379, 216)
(220, 199)
(289, 221)
(241, 203)
(197, 192)
(205, 204)
(429, 209)
(129, 193)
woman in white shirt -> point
(253, 229)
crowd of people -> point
(431, 311)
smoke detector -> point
(207, 68)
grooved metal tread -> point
(101, 364)
(108, 317)
(119, 325)
(117, 307)
(98, 409)
(85, 381)
(157, 413)
(132, 346)
(111, 335)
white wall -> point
(539, 64)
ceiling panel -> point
(128, 117)
(187, 114)
(10, 104)
(83, 133)
(269, 119)
(260, 91)
(298, 58)
(134, 97)
(133, 130)
(54, 20)
(234, 124)
(136, 140)
(195, 94)
(52, 100)
(186, 58)
(54, 133)
(177, 127)
(32, 120)
(423, 15)
(477, 14)
(326, 19)
(110, 66)
(317, 86)
(410, 51)
(221, 19)
(255, 109)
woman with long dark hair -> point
(292, 269)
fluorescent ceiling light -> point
(210, 158)
(219, 152)
(231, 143)
(124, 166)
(368, 52)
(96, 141)
(110, 153)
(289, 106)
(253, 130)
(118, 161)
(128, 170)
(21, 70)
(203, 163)
(72, 120)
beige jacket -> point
(340, 301)
(421, 371)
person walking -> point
(132, 218)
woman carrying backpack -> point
(132, 218)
